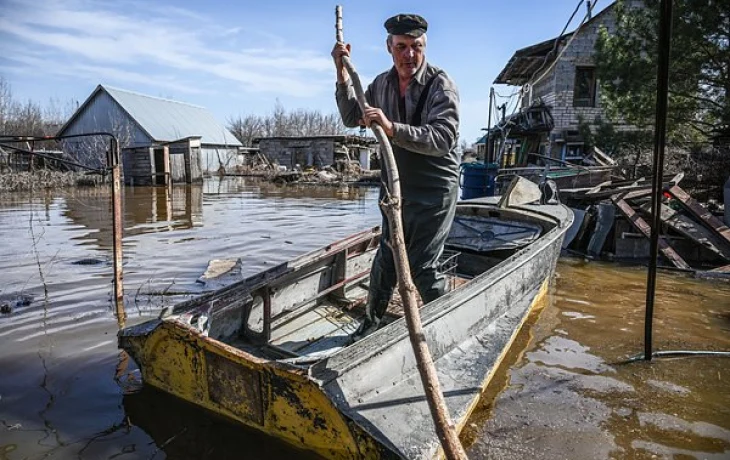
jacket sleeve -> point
(439, 133)
(347, 103)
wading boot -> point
(371, 322)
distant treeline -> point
(29, 118)
(281, 122)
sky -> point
(240, 58)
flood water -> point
(66, 391)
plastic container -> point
(477, 179)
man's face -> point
(408, 54)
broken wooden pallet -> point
(689, 228)
(640, 224)
(640, 187)
(689, 203)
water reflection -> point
(62, 378)
(146, 209)
(258, 188)
(186, 432)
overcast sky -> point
(238, 58)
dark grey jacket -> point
(427, 161)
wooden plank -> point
(609, 192)
(598, 187)
(637, 194)
(645, 228)
(712, 222)
(641, 188)
(602, 157)
(686, 226)
(724, 269)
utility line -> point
(567, 45)
(557, 40)
(507, 127)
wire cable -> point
(676, 354)
(567, 45)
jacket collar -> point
(419, 77)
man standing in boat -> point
(417, 105)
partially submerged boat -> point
(273, 351)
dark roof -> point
(526, 62)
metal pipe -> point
(660, 133)
(49, 157)
(487, 157)
(676, 354)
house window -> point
(584, 92)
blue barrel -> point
(477, 179)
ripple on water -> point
(562, 398)
(62, 375)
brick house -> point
(557, 79)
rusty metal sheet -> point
(234, 387)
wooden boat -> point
(273, 351)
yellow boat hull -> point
(260, 394)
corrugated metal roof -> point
(168, 120)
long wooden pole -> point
(392, 206)
(117, 223)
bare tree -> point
(29, 118)
(56, 113)
(300, 122)
(5, 104)
(246, 129)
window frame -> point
(589, 99)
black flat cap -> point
(406, 24)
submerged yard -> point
(67, 391)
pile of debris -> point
(325, 176)
(613, 221)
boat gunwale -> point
(391, 333)
(396, 331)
